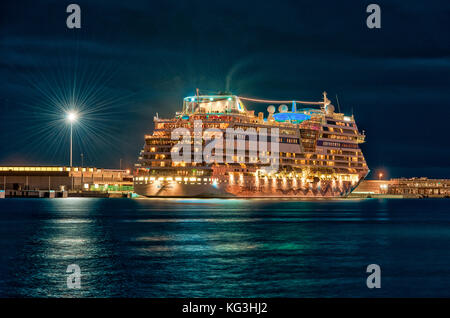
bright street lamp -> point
(71, 118)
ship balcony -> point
(361, 138)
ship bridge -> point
(213, 104)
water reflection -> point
(217, 248)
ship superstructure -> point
(307, 151)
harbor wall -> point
(31, 181)
(404, 188)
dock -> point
(64, 182)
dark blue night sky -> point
(132, 59)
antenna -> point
(326, 101)
(339, 106)
(197, 97)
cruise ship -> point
(216, 147)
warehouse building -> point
(17, 180)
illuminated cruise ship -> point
(216, 147)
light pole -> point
(71, 117)
(82, 171)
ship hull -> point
(183, 190)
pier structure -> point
(61, 181)
(404, 188)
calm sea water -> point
(224, 248)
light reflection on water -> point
(223, 248)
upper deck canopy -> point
(232, 104)
(213, 104)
